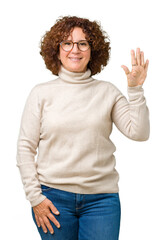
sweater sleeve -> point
(27, 144)
(132, 118)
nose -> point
(75, 48)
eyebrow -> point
(74, 41)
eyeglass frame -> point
(73, 45)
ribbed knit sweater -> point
(69, 121)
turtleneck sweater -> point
(69, 121)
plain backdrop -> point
(141, 165)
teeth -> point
(75, 59)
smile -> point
(75, 59)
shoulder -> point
(108, 87)
(44, 87)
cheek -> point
(62, 55)
(87, 56)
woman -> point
(70, 119)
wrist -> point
(135, 85)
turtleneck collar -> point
(75, 77)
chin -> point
(79, 70)
(76, 69)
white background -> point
(141, 165)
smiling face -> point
(75, 60)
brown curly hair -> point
(100, 47)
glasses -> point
(67, 45)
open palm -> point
(138, 73)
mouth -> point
(75, 59)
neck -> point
(75, 77)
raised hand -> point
(138, 73)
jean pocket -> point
(45, 188)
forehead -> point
(77, 34)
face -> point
(75, 60)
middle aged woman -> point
(70, 120)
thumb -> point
(126, 70)
(146, 65)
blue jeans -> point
(83, 216)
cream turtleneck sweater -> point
(69, 120)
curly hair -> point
(100, 47)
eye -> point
(83, 43)
(67, 43)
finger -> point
(53, 208)
(43, 225)
(37, 220)
(53, 219)
(125, 69)
(133, 59)
(138, 56)
(146, 65)
(142, 58)
(48, 224)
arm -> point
(27, 144)
(132, 118)
(28, 140)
